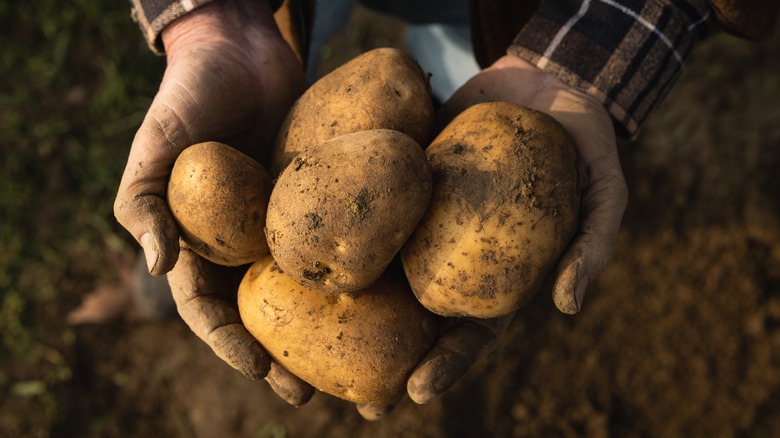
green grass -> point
(75, 80)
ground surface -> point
(680, 336)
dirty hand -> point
(465, 341)
(230, 77)
(605, 194)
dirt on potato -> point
(341, 211)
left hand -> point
(512, 79)
(604, 198)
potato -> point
(380, 89)
(360, 347)
(340, 213)
(505, 205)
(219, 198)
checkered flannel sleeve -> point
(153, 15)
(626, 53)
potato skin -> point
(219, 197)
(505, 205)
(340, 213)
(380, 89)
(360, 347)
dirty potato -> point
(341, 211)
(360, 347)
(219, 197)
(380, 89)
(505, 205)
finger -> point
(604, 201)
(460, 346)
(146, 217)
(604, 198)
(288, 386)
(373, 412)
(199, 288)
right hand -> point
(231, 78)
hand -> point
(605, 196)
(512, 79)
(230, 77)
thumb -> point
(141, 206)
(604, 197)
(604, 201)
(462, 344)
(147, 219)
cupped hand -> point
(605, 195)
(230, 77)
(511, 79)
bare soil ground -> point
(680, 336)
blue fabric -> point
(454, 12)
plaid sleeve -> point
(153, 15)
(626, 53)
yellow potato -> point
(505, 205)
(340, 213)
(360, 347)
(219, 198)
(380, 89)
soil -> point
(679, 336)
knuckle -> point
(124, 212)
(599, 255)
(119, 209)
(167, 126)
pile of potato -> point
(478, 220)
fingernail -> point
(579, 292)
(374, 412)
(435, 377)
(150, 252)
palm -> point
(212, 92)
(217, 97)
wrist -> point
(541, 85)
(535, 80)
(244, 24)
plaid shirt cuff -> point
(153, 15)
(626, 53)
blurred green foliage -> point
(75, 80)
